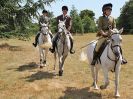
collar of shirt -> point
(64, 16)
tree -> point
(126, 17)
(88, 25)
(88, 13)
(15, 16)
(77, 26)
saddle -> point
(101, 49)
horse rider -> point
(68, 25)
(105, 23)
(43, 19)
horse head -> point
(116, 41)
(61, 26)
(44, 28)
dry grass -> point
(20, 77)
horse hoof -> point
(60, 73)
(117, 96)
(96, 88)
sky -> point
(94, 5)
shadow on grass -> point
(28, 66)
(74, 93)
(39, 76)
(10, 47)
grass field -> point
(20, 77)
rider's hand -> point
(104, 34)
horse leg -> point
(117, 72)
(94, 76)
(45, 57)
(106, 79)
(55, 58)
(62, 65)
(97, 69)
(41, 57)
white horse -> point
(44, 42)
(111, 59)
(63, 46)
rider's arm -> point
(100, 31)
(70, 25)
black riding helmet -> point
(64, 8)
(107, 6)
(44, 11)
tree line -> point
(16, 18)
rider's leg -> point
(96, 52)
(124, 61)
(71, 41)
(36, 39)
(54, 43)
(50, 33)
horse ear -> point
(121, 30)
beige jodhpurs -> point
(99, 43)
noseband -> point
(45, 32)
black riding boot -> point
(124, 61)
(94, 58)
(54, 44)
(51, 35)
(71, 49)
(36, 40)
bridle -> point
(113, 46)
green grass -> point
(20, 78)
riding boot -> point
(124, 61)
(36, 40)
(51, 36)
(71, 49)
(54, 44)
(94, 58)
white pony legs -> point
(61, 62)
(55, 60)
(106, 79)
(43, 55)
(117, 73)
(94, 73)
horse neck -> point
(44, 38)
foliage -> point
(126, 18)
(88, 13)
(16, 15)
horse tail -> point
(83, 55)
